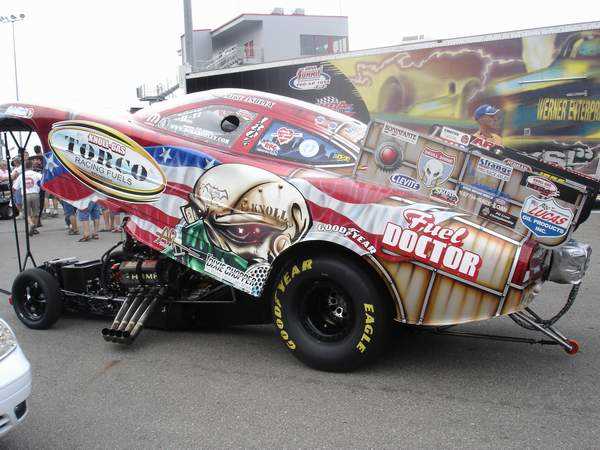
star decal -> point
(50, 163)
(166, 154)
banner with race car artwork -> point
(539, 93)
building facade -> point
(259, 38)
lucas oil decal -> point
(107, 161)
(545, 217)
(424, 240)
(435, 167)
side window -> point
(290, 143)
(213, 123)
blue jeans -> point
(91, 212)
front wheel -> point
(331, 313)
(36, 298)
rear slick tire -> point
(331, 313)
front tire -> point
(37, 299)
(331, 313)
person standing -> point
(37, 164)
(32, 191)
(87, 215)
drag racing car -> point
(245, 207)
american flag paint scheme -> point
(228, 182)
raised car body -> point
(450, 227)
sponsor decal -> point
(309, 78)
(494, 168)
(19, 111)
(545, 217)
(107, 161)
(195, 132)
(326, 123)
(548, 185)
(545, 187)
(435, 167)
(485, 195)
(403, 134)
(268, 147)
(572, 155)
(455, 137)
(254, 131)
(427, 241)
(251, 100)
(351, 233)
(229, 274)
(405, 182)
(483, 143)
(517, 165)
(341, 157)
(285, 135)
(388, 156)
(444, 195)
(554, 178)
(308, 148)
(498, 216)
(335, 104)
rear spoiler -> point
(495, 184)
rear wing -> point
(503, 190)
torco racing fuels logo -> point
(107, 161)
(545, 217)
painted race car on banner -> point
(246, 207)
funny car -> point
(247, 207)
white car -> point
(15, 380)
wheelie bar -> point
(132, 315)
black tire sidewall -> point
(369, 306)
(51, 289)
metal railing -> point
(233, 56)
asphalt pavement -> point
(239, 387)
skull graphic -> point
(249, 211)
(432, 172)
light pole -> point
(12, 19)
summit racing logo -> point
(107, 161)
(424, 240)
(545, 217)
(309, 78)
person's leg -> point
(106, 219)
(116, 223)
(54, 203)
(33, 207)
(95, 218)
(42, 200)
(73, 223)
(84, 218)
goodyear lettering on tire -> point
(284, 281)
(368, 329)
